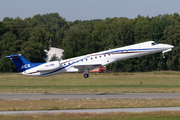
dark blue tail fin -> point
(21, 62)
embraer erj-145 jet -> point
(88, 62)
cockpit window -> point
(154, 43)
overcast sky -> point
(88, 9)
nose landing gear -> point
(163, 55)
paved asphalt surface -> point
(135, 110)
(86, 96)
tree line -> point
(31, 36)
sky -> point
(73, 10)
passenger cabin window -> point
(95, 57)
(100, 56)
(104, 55)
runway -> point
(87, 96)
(134, 110)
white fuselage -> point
(104, 58)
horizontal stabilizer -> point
(13, 56)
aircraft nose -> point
(168, 46)
(171, 46)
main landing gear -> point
(86, 74)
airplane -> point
(88, 62)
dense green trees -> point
(53, 23)
(31, 36)
(22, 37)
(172, 36)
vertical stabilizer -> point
(21, 62)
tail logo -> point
(25, 66)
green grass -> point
(19, 105)
(150, 82)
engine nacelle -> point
(44, 67)
(49, 66)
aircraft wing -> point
(87, 66)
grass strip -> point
(144, 82)
(19, 105)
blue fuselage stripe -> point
(98, 54)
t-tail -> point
(21, 62)
(34, 69)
